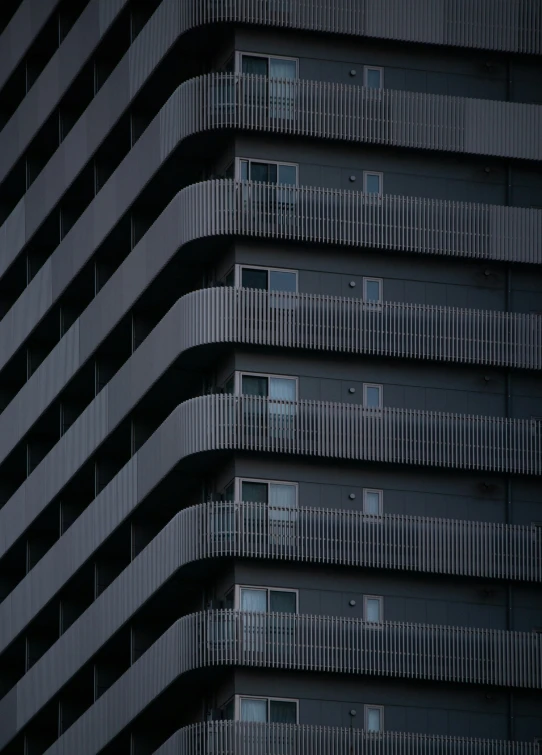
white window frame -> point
(381, 394)
(239, 374)
(239, 55)
(238, 161)
(380, 499)
(237, 706)
(380, 599)
(366, 174)
(366, 70)
(366, 709)
(238, 588)
(381, 288)
(239, 266)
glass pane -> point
(263, 172)
(282, 388)
(372, 503)
(374, 78)
(253, 710)
(282, 281)
(254, 492)
(282, 712)
(253, 600)
(283, 69)
(254, 65)
(372, 609)
(372, 183)
(372, 290)
(372, 396)
(373, 719)
(253, 385)
(251, 278)
(281, 601)
(244, 170)
(288, 175)
(282, 503)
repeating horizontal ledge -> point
(347, 431)
(315, 321)
(307, 643)
(352, 218)
(243, 738)
(362, 114)
(55, 79)
(251, 530)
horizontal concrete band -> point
(308, 643)
(217, 102)
(243, 738)
(172, 19)
(248, 530)
(309, 214)
(55, 79)
(21, 31)
(298, 321)
(465, 442)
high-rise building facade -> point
(270, 396)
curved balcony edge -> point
(218, 208)
(218, 530)
(307, 321)
(307, 428)
(303, 643)
(227, 737)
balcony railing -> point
(352, 538)
(305, 643)
(348, 431)
(331, 323)
(486, 24)
(361, 114)
(253, 530)
(242, 738)
(348, 218)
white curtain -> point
(372, 503)
(282, 388)
(372, 609)
(253, 600)
(253, 710)
(373, 719)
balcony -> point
(304, 643)
(364, 115)
(514, 26)
(331, 323)
(349, 218)
(352, 538)
(347, 431)
(252, 530)
(240, 738)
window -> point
(373, 608)
(372, 182)
(265, 599)
(270, 710)
(267, 386)
(372, 396)
(280, 497)
(267, 65)
(372, 501)
(374, 717)
(372, 290)
(266, 279)
(281, 174)
(373, 77)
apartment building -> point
(270, 396)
